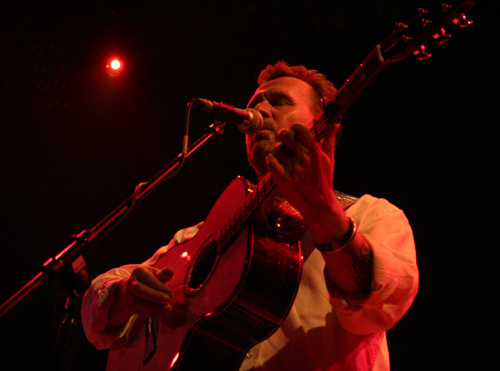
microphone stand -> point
(69, 264)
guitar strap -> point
(345, 200)
(287, 222)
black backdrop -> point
(75, 142)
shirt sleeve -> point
(395, 273)
(98, 298)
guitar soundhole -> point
(202, 267)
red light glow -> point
(114, 67)
(115, 64)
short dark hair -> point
(318, 81)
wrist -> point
(339, 243)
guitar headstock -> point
(428, 25)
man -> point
(359, 273)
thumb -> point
(165, 275)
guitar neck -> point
(252, 202)
(408, 39)
(357, 82)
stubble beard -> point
(258, 153)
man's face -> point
(282, 102)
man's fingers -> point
(303, 135)
(287, 138)
(165, 275)
(143, 291)
(298, 139)
(275, 167)
(284, 153)
(148, 276)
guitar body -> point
(226, 299)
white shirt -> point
(323, 330)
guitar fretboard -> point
(252, 202)
(356, 84)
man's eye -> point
(280, 102)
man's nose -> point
(264, 108)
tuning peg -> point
(421, 54)
(422, 12)
(462, 21)
(426, 22)
(446, 7)
(441, 37)
(401, 25)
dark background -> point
(76, 141)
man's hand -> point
(144, 293)
(304, 170)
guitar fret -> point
(357, 79)
(372, 63)
(221, 238)
(244, 211)
(232, 230)
(318, 125)
(269, 185)
(248, 205)
(343, 96)
(259, 194)
(233, 224)
(241, 218)
(253, 201)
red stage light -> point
(114, 67)
(115, 64)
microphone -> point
(248, 121)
